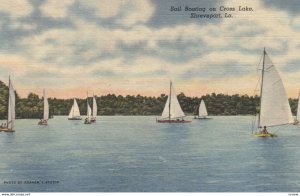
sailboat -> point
(297, 119)
(11, 114)
(275, 109)
(172, 112)
(94, 111)
(74, 113)
(87, 120)
(202, 111)
(44, 121)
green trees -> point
(111, 104)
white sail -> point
(11, 116)
(46, 107)
(165, 113)
(94, 107)
(275, 107)
(74, 110)
(298, 109)
(172, 107)
(71, 112)
(202, 109)
(89, 110)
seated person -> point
(264, 131)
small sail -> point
(172, 108)
(46, 107)
(11, 107)
(71, 112)
(298, 109)
(202, 109)
(89, 110)
(275, 107)
(165, 113)
(74, 110)
(94, 107)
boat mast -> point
(261, 86)
(44, 92)
(73, 107)
(170, 101)
(298, 112)
(8, 100)
(93, 104)
(87, 104)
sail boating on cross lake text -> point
(213, 9)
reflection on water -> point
(138, 154)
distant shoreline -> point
(135, 105)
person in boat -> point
(264, 131)
(3, 125)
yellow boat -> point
(265, 135)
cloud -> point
(125, 12)
(16, 8)
(55, 8)
(292, 6)
(129, 46)
(185, 45)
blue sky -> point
(136, 46)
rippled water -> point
(138, 154)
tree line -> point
(111, 104)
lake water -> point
(138, 154)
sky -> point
(135, 47)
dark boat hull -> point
(74, 118)
(42, 123)
(174, 121)
(265, 135)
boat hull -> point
(174, 121)
(75, 118)
(42, 123)
(6, 130)
(202, 118)
(265, 135)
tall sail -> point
(11, 116)
(298, 109)
(89, 110)
(275, 108)
(74, 110)
(202, 109)
(166, 111)
(94, 107)
(71, 112)
(46, 106)
(172, 108)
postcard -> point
(149, 96)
